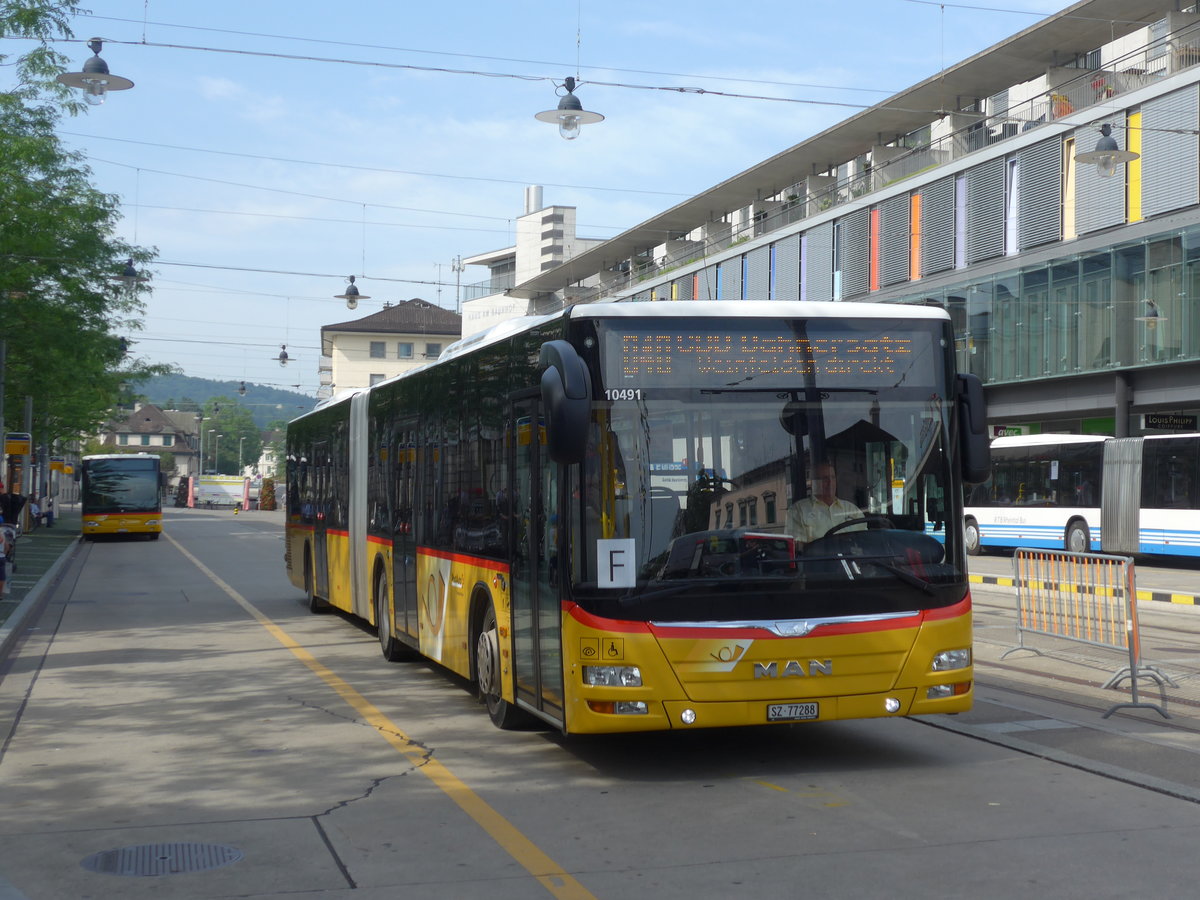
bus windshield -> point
(120, 485)
(784, 469)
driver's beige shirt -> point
(811, 518)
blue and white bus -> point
(1086, 493)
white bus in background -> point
(1089, 493)
(1045, 492)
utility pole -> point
(457, 265)
(27, 461)
(3, 354)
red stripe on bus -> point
(479, 561)
(961, 608)
(575, 611)
(825, 629)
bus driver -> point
(813, 516)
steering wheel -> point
(880, 522)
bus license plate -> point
(792, 712)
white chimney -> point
(533, 198)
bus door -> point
(535, 547)
(404, 545)
(321, 500)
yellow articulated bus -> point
(622, 516)
(121, 495)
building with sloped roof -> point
(148, 429)
(399, 337)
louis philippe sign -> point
(1168, 422)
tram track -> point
(1052, 708)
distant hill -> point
(266, 404)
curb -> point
(1142, 596)
(13, 628)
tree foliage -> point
(64, 319)
(35, 71)
(235, 424)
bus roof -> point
(719, 309)
(722, 309)
(1158, 437)
(122, 456)
(1042, 440)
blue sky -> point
(270, 149)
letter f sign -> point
(616, 563)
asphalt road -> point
(175, 705)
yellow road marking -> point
(551, 876)
(768, 784)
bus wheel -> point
(971, 531)
(487, 674)
(393, 650)
(1078, 539)
(315, 603)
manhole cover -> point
(162, 859)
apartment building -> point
(370, 349)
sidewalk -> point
(40, 554)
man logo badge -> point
(793, 669)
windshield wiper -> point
(906, 577)
(694, 583)
(852, 566)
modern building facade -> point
(1074, 288)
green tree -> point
(66, 321)
(36, 71)
(235, 424)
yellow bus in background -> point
(121, 494)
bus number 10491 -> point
(623, 394)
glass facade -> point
(1134, 304)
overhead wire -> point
(374, 169)
(387, 47)
(448, 70)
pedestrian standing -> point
(3, 557)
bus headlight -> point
(619, 708)
(941, 691)
(952, 659)
(612, 676)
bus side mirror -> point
(566, 401)
(972, 430)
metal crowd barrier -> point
(1087, 597)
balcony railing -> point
(1093, 86)
(495, 285)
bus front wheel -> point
(1078, 539)
(971, 532)
(488, 674)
